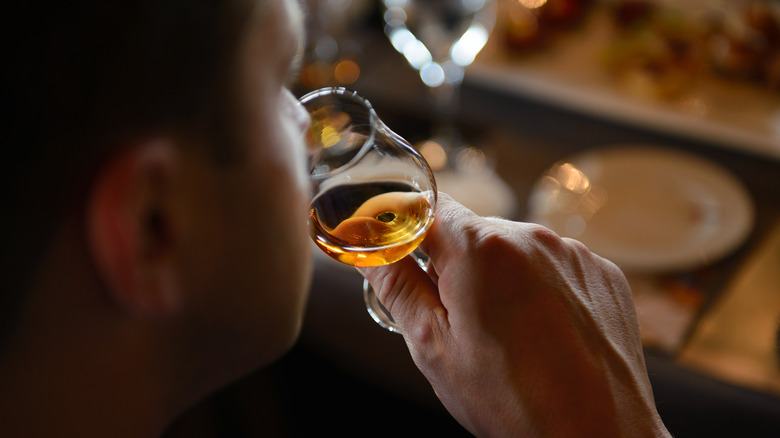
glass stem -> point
(446, 100)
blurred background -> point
(648, 129)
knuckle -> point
(427, 337)
(387, 286)
(490, 239)
(544, 235)
(421, 333)
(577, 246)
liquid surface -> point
(370, 224)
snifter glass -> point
(373, 194)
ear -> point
(130, 227)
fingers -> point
(446, 237)
(408, 293)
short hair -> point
(81, 77)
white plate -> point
(646, 208)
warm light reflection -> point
(329, 136)
(532, 4)
(315, 75)
(327, 126)
(524, 24)
(434, 154)
(346, 72)
(592, 201)
(572, 178)
(567, 190)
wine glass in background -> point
(334, 31)
(439, 38)
(373, 194)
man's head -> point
(83, 77)
(156, 180)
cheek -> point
(294, 149)
(285, 182)
(268, 229)
(280, 164)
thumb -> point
(408, 293)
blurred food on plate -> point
(530, 24)
(657, 48)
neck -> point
(54, 405)
(61, 389)
(76, 366)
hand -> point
(521, 332)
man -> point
(157, 250)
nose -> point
(299, 114)
(302, 117)
(302, 120)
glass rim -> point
(342, 92)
